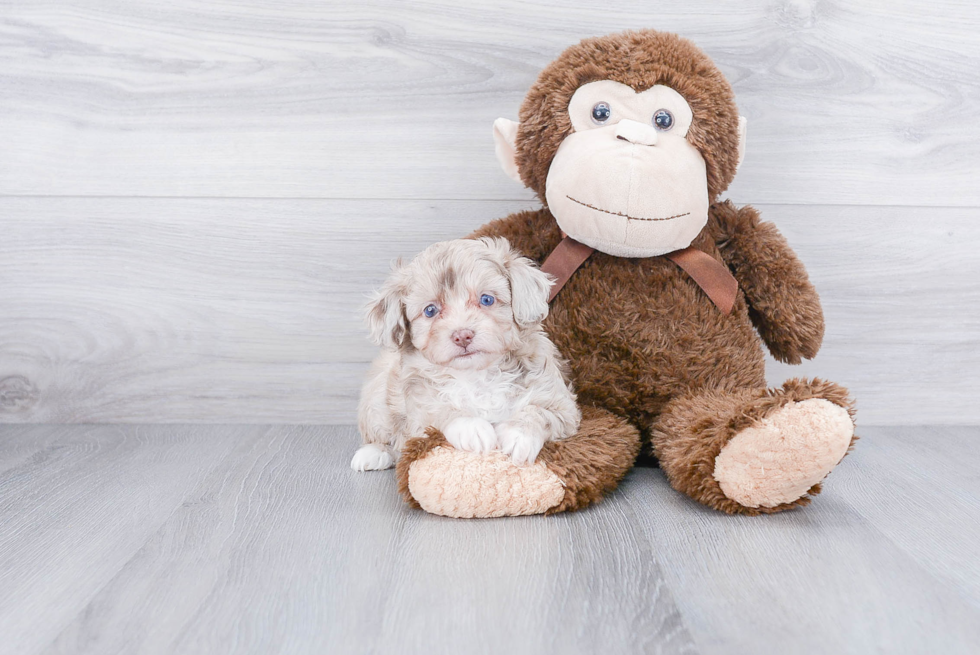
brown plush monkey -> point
(628, 140)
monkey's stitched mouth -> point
(632, 218)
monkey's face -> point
(626, 181)
(628, 138)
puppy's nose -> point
(462, 338)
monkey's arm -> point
(783, 305)
(534, 233)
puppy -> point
(464, 352)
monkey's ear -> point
(742, 127)
(504, 138)
(385, 314)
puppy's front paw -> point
(522, 447)
(472, 434)
(372, 457)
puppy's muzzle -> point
(462, 338)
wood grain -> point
(79, 507)
(827, 579)
(195, 200)
(208, 311)
(282, 548)
(900, 288)
(848, 103)
(566, 584)
(165, 310)
(898, 463)
(221, 539)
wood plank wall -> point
(195, 198)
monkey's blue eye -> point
(430, 311)
(486, 300)
(601, 112)
(663, 119)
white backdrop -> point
(195, 198)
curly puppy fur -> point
(644, 342)
(484, 373)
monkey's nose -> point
(638, 133)
(462, 338)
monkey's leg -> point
(754, 451)
(569, 474)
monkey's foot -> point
(567, 475)
(463, 484)
(779, 458)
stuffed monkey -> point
(663, 292)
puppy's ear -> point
(385, 314)
(529, 285)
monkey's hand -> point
(783, 305)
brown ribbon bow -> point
(713, 277)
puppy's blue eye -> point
(486, 300)
(663, 119)
(430, 311)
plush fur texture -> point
(693, 429)
(779, 458)
(646, 194)
(592, 463)
(650, 355)
(451, 483)
(588, 466)
(465, 353)
(640, 60)
(783, 305)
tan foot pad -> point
(781, 457)
(466, 485)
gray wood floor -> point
(185, 539)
